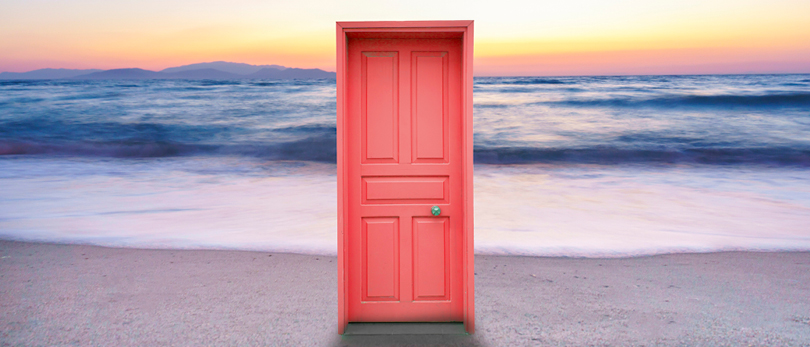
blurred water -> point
(575, 166)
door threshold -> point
(415, 328)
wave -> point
(520, 81)
(266, 83)
(773, 156)
(517, 90)
(22, 100)
(536, 81)
(492, 105)
(313, 148)
(48, 136)
(315, 128)
(121, 149)
(728, 100)
(209, 82)
(271, 119)
(16, 83)
(90, 96)
(321, 148)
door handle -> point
(435, 210)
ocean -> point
(565, 166)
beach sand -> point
(52, 295)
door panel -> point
(381, 260)
(403, 156)
(380, 89)
(395, 189)
(431, 256)
(429, 71)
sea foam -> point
(223, 203)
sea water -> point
(565, 166)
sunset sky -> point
(570, 37)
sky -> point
(512, 38)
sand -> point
(54, 295)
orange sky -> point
(574, 37)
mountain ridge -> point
(46, 74)
(218, 70)
(224, 66)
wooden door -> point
(404, 128)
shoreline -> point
(66, 294)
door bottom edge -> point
(405, 328)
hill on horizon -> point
(46, 74)
(224, 66)
(218, 70)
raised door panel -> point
(431, 258)
(405, 189)
(380, 259)
(379, 109)
(429, 107)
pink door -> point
(404, 128)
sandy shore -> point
(93, 296)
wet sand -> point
(54, 295)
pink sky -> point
(573, 37)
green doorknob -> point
(435, 210)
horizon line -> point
(485, 76)
(474, 75)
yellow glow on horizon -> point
(512, 36)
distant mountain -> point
(202, 74)
(122, 74)
(141, 74)
(45, 74)
(292, 73)
(218, 70)
(234, 68)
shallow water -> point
(578, 166)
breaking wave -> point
(612, 156)
(729, 100)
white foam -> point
(598, 211)
(167, 208)
(526, 210)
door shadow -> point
(406, 334)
